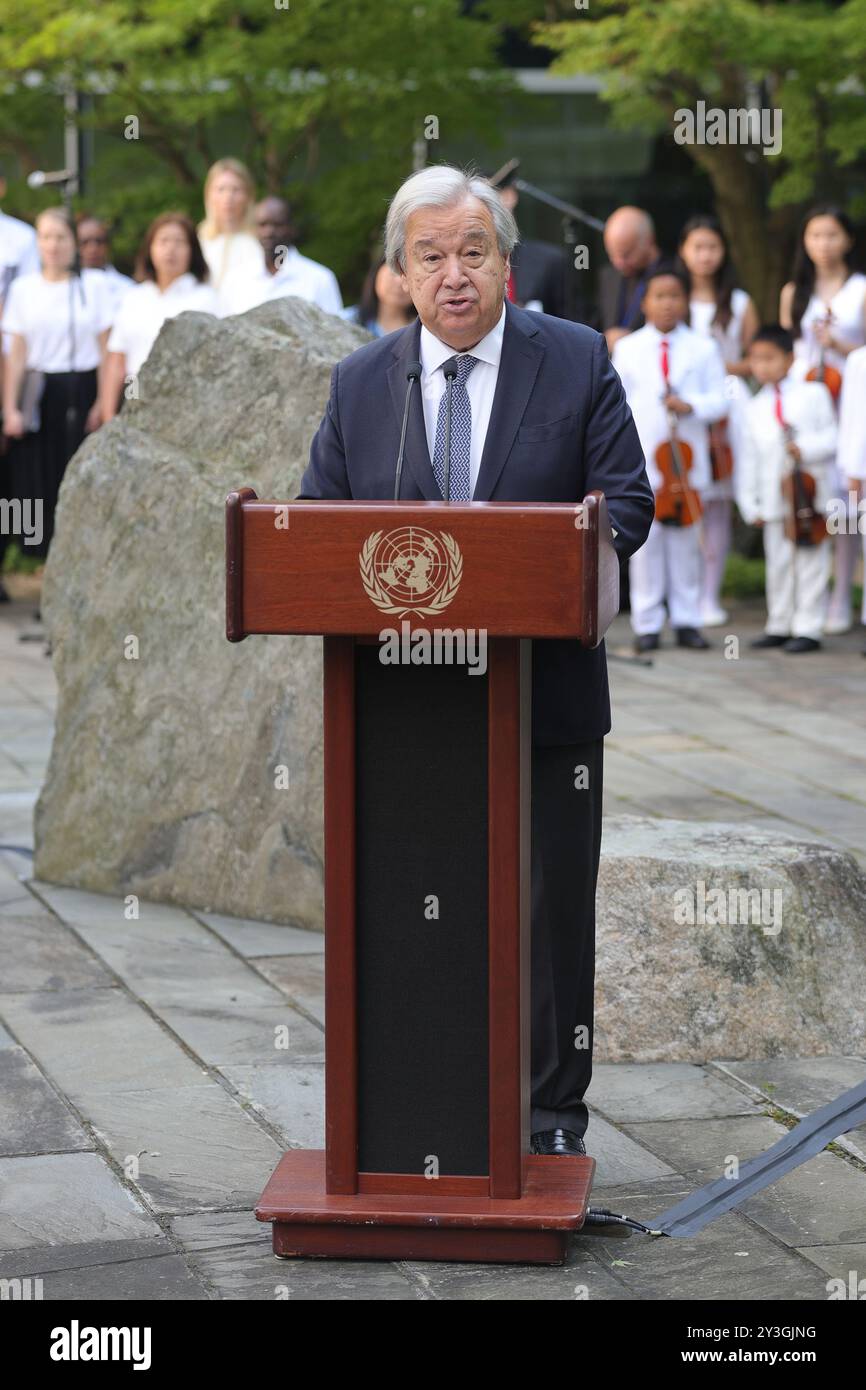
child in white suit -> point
(788, 420)
(666, 366)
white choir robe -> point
(851, 452)
(668, 567)
(797, 577)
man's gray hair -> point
(443, 186)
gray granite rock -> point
(161, 777)
(688, 969)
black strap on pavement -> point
(806, 1139)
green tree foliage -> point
(656, 57)
(323, 100)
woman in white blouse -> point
(718, 309)
(55, 327)
(227, 233)
(173, 277)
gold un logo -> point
(410, 570)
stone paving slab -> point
(126, 1270)
(94, 1040)
(838, 1261)
(39, 953)
(232, 1253)
(251, 938)
(804, 1084)
(33, 1118)
(166, 956)
(663, 1091)
(195, 1145)
(819, 1203)
(700, 1148)
(301, 978)
(291, 1099)
(232, 1035)
(62, 1199)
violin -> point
(721, 454)
(803, 524)
(677, 504)
(824, 372)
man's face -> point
(455, 272)
(93, 244)
(273, 227)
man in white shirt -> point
(285, 272)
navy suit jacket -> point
(559, 427)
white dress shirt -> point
(851, 456)
(297, 275)
(696, 375)
(52, 315)
(118, 283)
(229, 252)
(145, 309)
(808, 408)
(480, 386)
(18, 254)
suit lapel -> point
(518, 368)
(417, 455)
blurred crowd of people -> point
(718, 424)
(76, 331)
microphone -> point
(39, 178)
(449, 371)
(412, 375)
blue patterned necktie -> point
(461, 434)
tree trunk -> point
(761, 241)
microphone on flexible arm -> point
(449, 371)
(412, 375)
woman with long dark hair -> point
(173, 274)
(384, 305)
(824, 306)
(718, 309)
(56, 325)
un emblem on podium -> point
(410, 570)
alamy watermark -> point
(438, 646)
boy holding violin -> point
(674, 381)
(786, 461)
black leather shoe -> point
(769, 639)
(690, 637)
(802, 644)
(647, 642)
(556, 1141)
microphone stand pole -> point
(571, 215)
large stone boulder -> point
(162, 774)
(726, 941)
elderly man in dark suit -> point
(539, 415)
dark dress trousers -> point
(559, 427)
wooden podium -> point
(427, 859)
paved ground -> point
(143, 1101)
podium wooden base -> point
(426, 1224)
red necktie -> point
(779, 415)
(666, 366)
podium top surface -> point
(513, 569)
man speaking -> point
(538, 415)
